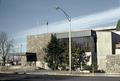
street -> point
(38, 77)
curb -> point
(68, 74)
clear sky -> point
(21, 15)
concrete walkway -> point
(74, 73)
(67, 73)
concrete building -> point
(106, 41)
(85, 39)
(36, 44)
(113, 61)
(99, 42)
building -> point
(36, 44)
(100, 42)
(106, 41)
(85, 39)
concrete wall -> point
(23, 60)
(37, 43)
(104, 47)
(112, 63)
(90, 60)
(117, 51)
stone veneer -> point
(113, 63)
(37, 43)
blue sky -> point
(20, 15)
(25, 17)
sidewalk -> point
(65, 73)
(75, 73)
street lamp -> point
(69, 20)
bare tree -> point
(5, 46)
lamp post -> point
(69, 20)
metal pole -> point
(70, 46)
(69, 19)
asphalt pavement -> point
(45, 77)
